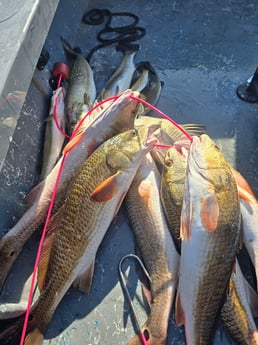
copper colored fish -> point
(77, 229)
(117, 117)
(147, 220)
(210, 233)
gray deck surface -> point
(202, 50)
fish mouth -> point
(153, 131)
(125, 98)
(182, 146)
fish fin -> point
(44, 260)
(241, 182)
(210, 211)
(86, 98)
(84, 280)
(145, 283)
(195, 129)
(12, 331)
(179, 312)
(106, 189)
(68, 49)
(254, 339)
(243, 194)
(33, 194)
(252, 297)
(46, 249)
(127, 47)
(241, 236)
(186, 219)
(73, 142)
(35, 337)
(234, 267)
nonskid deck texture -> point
(202, 51)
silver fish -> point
(121, 79)
(53, 138)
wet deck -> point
(202, 50)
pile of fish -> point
(189, 210)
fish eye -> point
(146, 334)
(134, 133)
(169, 163)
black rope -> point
(113, 34)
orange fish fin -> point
(33, 194)
(73, 142)
(44, 260)
(241, 182)
(186, 220)
(210, 211)
(86, 98)
(35, 337)
(106, 189)
(234, 267)
(179, 312)
(84, 280)
(144, 190)
(46, 249)
(243, 194)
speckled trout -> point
(117, 117)
(81, 92)
(157, 249)
(210, 233)
(77, 229)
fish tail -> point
(145, 65)
(35, 337)
(254, 339)
(11, 331)
(127, 47)
(68, 49)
